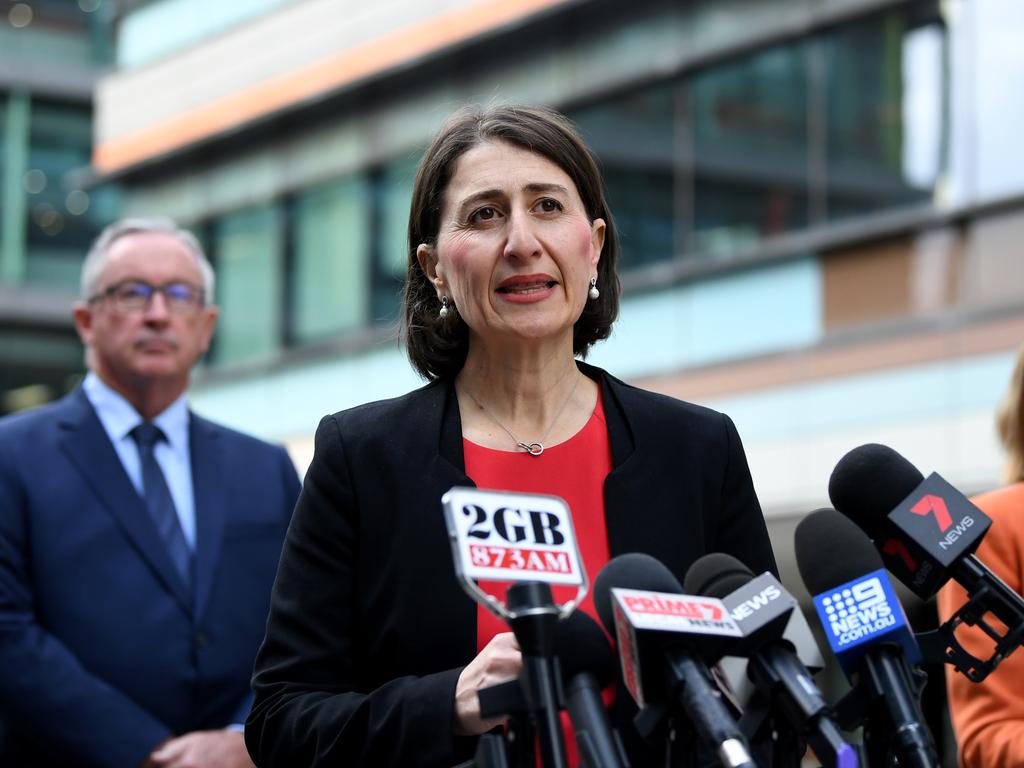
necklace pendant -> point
(534, 449)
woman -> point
(373, 653)
(988, 717)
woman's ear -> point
(426, 255)
(597, 231)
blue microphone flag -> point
(862, 613)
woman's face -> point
(515, 250)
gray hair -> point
(97, 256)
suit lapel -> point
(442, 418)
(629, 519)
(87, 446)
(208, 484)
(448, 469)
(642, 495)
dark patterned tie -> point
(157, 497)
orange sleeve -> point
(988, 717)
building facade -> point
(820, 200)
(51, 54)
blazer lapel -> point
(442, 414)
(87, 446)
(628, 517)
(642, 494)
(448, 469)
(210, 492)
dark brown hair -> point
(437, 348)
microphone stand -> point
(514, 748)
(941, 645)
(491, 752)
(774, 742)
(879, 702)
(534, 617)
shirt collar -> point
(119, 417)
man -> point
(138, 542)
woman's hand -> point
(498, 662)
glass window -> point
(247, 249)
(394, 186)
(331, 252)
(986, 110)
(153, 30)
(885, 113)
(749, 148)
(62, 220)
(634, 141)
(4, 186)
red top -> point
(574, 470)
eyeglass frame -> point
(174, 304)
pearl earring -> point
(593, 293)
(444, 308)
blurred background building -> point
(51, 55)
(821, 202)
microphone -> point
(677, 636)
(527, 539)
(534, 624)
(869, 635)
(773, 629)
(719, 573)
(927, 532)
(588, 667)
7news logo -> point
(934, 505)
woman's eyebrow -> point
(545, 187)
(484, 194)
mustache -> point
(145, 338)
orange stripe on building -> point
(314, 80)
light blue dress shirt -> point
(119, 418)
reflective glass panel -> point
(886, 133)
(988, 99)
(62, 220)
(634, 141)
(330, 270)
(394, 195)
(247, 251)
(749, 149)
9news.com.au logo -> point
(861, 613)
(856, 611)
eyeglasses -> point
(136, 295)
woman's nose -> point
(522, 242)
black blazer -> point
(369, 629)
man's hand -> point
(202, 749)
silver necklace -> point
(535, 448)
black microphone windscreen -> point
(716, 575)
(582, 646)
(869, 482)
(831, 550)
(633, 570)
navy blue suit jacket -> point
(103, 651)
